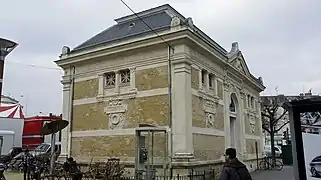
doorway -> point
(234, 124)
(232, 130)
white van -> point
(268, 152)
(7, 141)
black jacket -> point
(235, 170)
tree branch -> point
(266, 115)
(266, 129)
(282, 126)
(281, 116)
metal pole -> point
(52, 160)
(170, 103)
(152, 150)
(2, 57)
(148, 159)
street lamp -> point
(6, 46)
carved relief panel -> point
(116, 111)
(252, 124)
(210, 110)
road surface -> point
(285, 174)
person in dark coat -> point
(71, 166)
(233, 168)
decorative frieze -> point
(126, 95)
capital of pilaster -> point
(133, 69)
(181, 60)
(66, 81)
(66, 84)
(226, 85)
(182, 66)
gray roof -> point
(157, 18)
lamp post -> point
(25, 104)
(6, 46)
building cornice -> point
(120, 47)
(149, 40)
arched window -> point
(232, 105)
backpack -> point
(239, 177)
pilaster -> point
(260, 125)
(227, 114)
(65, 149)
(242, 124)
(182, 110)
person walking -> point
(233, 168)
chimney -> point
(235, 47)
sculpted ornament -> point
(115, 111)
(116, 120)
(252, 124)
(209, 120)
(209, 106)
(227, 85)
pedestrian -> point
(70, 166)
(233, 168)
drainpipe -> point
(71, 106)
(170, 103)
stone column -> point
(101, 78)
(65, 149)
(182, 110)
(206, 81)
(132, 79)
(227, 100)
(117, 81)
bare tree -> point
(273, 116)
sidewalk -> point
(285, 174)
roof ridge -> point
(148, 12)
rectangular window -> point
(125, 77)
(252, 102)
(203, 76)
(211, 80)
(248, 101)
(110, 79)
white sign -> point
(312, 155)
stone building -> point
(121, 79)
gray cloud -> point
(279, 39)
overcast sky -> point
(280, 40)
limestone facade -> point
(109, 90)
